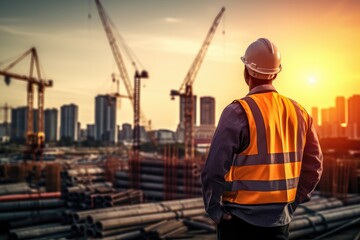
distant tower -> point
(207, 111)
(69, 121)
(51, 124)
(325, 123)
(354, 117)
(105, 119)
(126, 132)
(340, 109)
(90, 131)
(19, 123)
(315, 116)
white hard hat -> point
(262, 59)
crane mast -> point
(186, 90)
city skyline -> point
(342, 119)
(339, 120)
(317, 39)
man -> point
(264, 158)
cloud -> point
(184, 46)
(172, 20)
(20, 32)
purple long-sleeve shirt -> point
(232, 137)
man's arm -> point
(227, 140)
(312, 166)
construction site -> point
(127, 193)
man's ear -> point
(246, 76)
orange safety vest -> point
(268, 170)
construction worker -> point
(264, 158)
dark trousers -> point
(237, 229)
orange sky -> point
(319, 42)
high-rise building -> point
(325, 116)
(325, 130)
(105, 119)
(69, 122)
(126, 132)
(19, 123)
(51, 124)
(315, 116)
(332, 116)
(354, 117)
(207, 111)
(340, 109)
(90, 131)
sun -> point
(312, 80)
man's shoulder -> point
(233, 108)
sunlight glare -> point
(311, 80)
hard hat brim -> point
(254, 68)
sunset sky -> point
(319, 42)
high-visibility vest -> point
(268, 170)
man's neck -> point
(253, 85)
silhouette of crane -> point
(186, 90)
(34, 141)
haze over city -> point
(318, 41)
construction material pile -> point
(162, 180)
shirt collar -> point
(262, 88)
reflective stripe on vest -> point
(268, 170)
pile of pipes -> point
(100, 195)
(85, 187)
(161, 180)
(324, 216)
(21, 208)
(82, 175)
(173, 218)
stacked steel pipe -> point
(315, 223)
(100, 195)
(23, 213)
(22, 204)
(45, 231)
(81, 183)
(133, 221)
(163, 180)
(173, 219)
(85, 188)
(83, 174)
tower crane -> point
(34, 141)
(186, 92)
(133, 95)
(106, 22)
